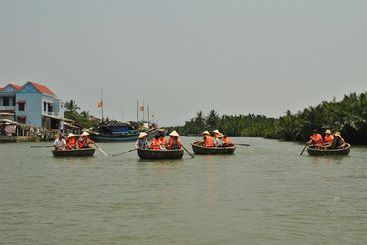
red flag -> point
(100, 104)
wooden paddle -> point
(192, 156)
(117, 154)
(243, 144)
(99, 148)
(304, 148)
(41, 146)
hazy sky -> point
(259, 56)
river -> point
(263, 194)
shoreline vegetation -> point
(349, 116)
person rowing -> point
(142, 141)
(174, 142)
(226, 141)
(315, 139)
(84, 141)
(162, 138)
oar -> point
(243, 144)
(304, 148)
(187, 151)
(117, 154)
(41, 146)
(99, 148)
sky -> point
(237, 57)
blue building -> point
(33, 104)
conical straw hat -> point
(85, 134)
(174, 134)
(216, 131)
(206, 132)
(71, 135)
(142, 135)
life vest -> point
(208, 141)
(226, 141)
(174, 143)
(316, 139)
(328, 139)
(163, 140)
(83, 142)
(71, 143)
(155, 144)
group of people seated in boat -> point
(159, 142)
(72, 143)
(219, 139)
(329, 141)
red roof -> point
(16, 87)
(41, 88)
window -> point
(21, 120)
(44, 106)
(21, 106)
(49, 108)
(5, 101)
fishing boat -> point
(87, 152)
(117, 133)
(160, 154)
(313, 151)
(199, 149)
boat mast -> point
(102, 103)
(137, 110)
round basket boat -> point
(199, 149)
(88, 152)
(160, 154)
(322, 152)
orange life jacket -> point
(328, 139)
(71, 143)
(83, 142)
(208, 141)
(316, 139)
(172, 142)
(163, 140)
(155, 144)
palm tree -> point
(71, 106)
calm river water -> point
(264, 194)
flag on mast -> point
(100, 104)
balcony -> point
(7, 108)
(53, 114)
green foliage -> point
(72, 112)
(348, 116)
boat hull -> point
(159, 155)
(113, 138)
(202, 150)
(329, 152)
(74, 153)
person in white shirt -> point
(60, 143)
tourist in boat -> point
(218, 140)
(174, 141)
(155, 144)
(142, 141)
(316, 139)
(60, 143)
(226, 141)
(338, 141)
(328, 138)
(162, 138)
(84, 141)
(71, 142)
(207, 139)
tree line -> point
(349, 116)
